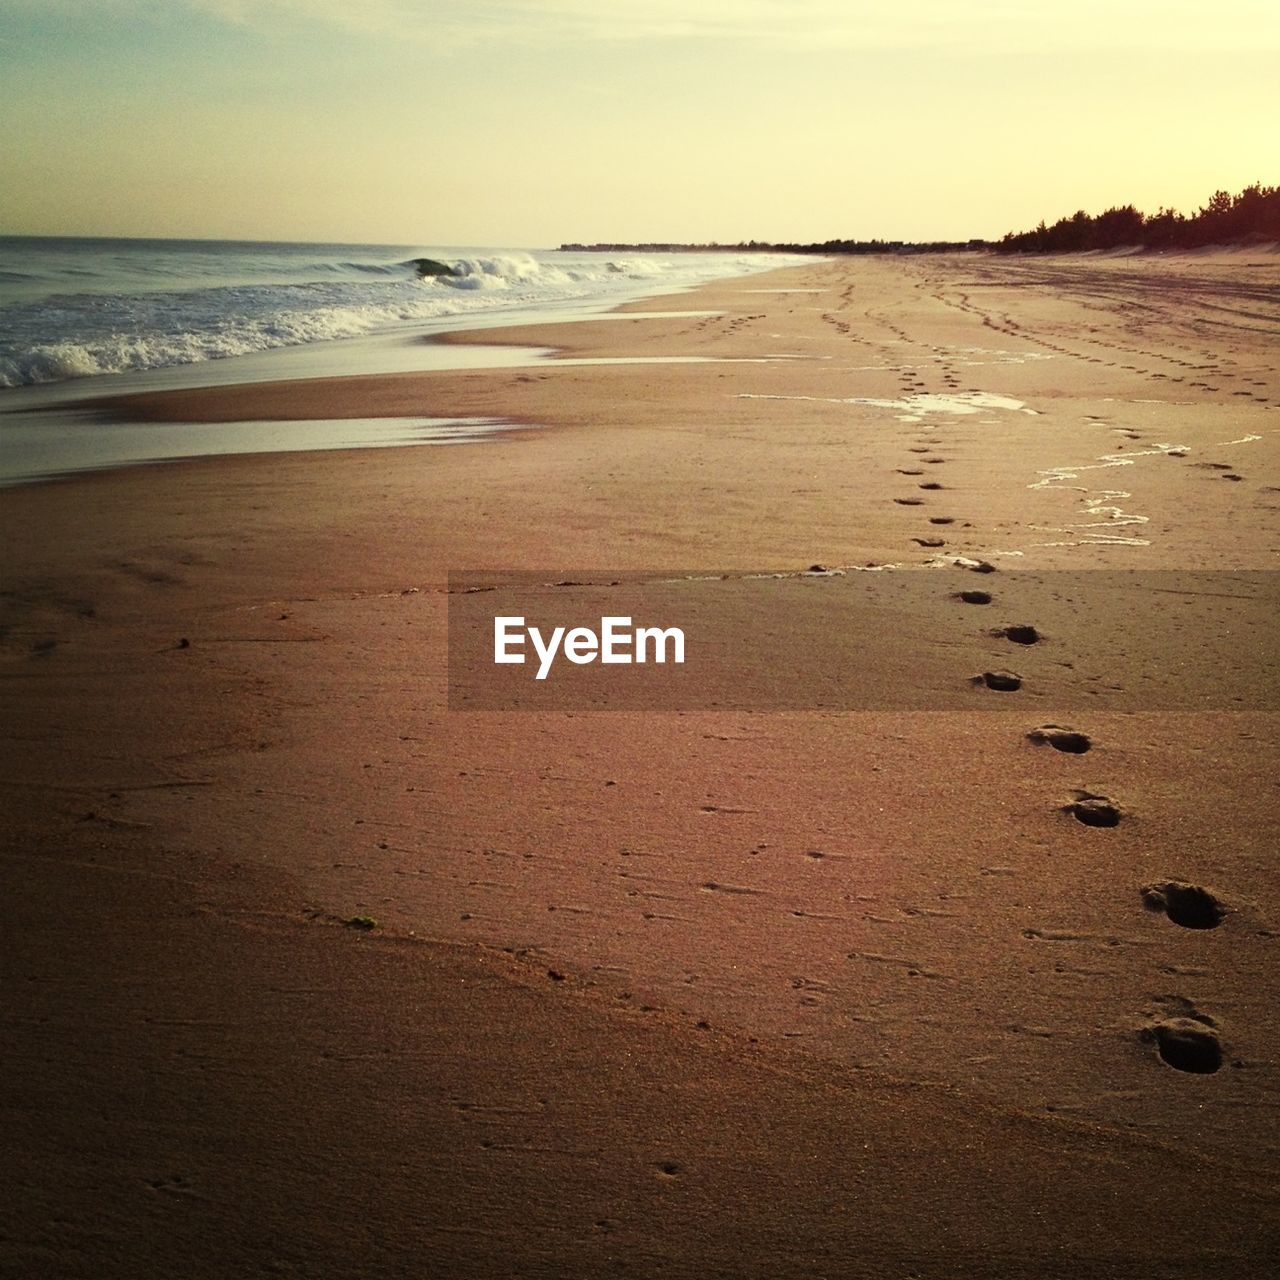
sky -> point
(526, 123)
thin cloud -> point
(997, 26)
(367, 15)
(789, 22)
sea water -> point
(75, 308)
(82, 318)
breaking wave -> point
(77, 309)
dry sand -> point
(741, 994)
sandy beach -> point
(751, 993)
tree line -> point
(783, 246)
(1252, 216)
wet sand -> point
(752, 993)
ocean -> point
(78, 308)
(82, 318)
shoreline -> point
(863, 973)
(38, 411)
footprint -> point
(1187, 1044)
(714, 886)
(1001, 681)
(1061, 738)
(1093, 810)
(150, 574)
(1188, 905)
(175, 1184)
(1019, 633)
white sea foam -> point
(960, 402)
(80, 308)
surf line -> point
(961, 403)
(1103, 503)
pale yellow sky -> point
(530, 122)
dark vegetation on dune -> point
(770, 246)
(1252, 217)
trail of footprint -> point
(1060, 738)
(1000, 681)
(1094, 810)
(1190, 905)
(1190, 1043)
(1019, 633)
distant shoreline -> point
(760, 246)
(1249, 219)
